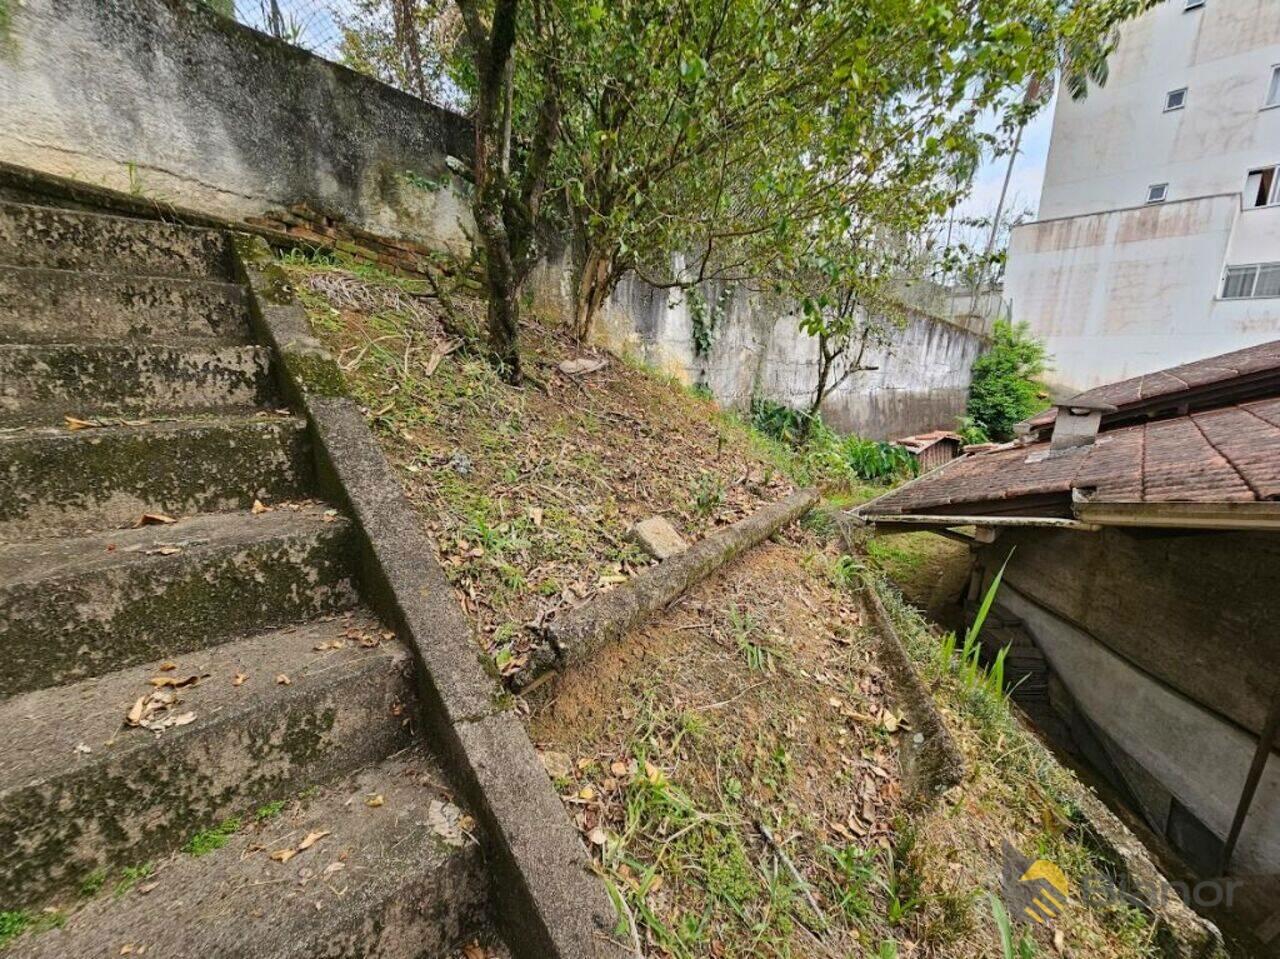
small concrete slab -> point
(658, 538)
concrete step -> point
(84, 792)
(75, 608)
(56, 480)
(38, 236)
(40, 305)
(39, 385)
(393, 880)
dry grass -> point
(733, 765)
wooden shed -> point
(931, 450)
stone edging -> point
(607, 617)
(547, 901)
(932, 760)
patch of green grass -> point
(130, 876)
(209, 840)
(92, 884)
(13, 923)
(270, 810)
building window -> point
(1273, 90)
(1262, 188)
(1256, 281)
(1175, 99)
(1193, 4)
(1157, 192)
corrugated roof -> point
(1224, 455)
(1225, 371)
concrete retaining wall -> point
(758, 349)
(166, 99)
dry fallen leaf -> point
(171, 682)
(374, 801)
(239, 679)
(284, 680)
(259, 507)
(154, 519)
(284, 855)
(598, 836)
(74, 423)
(311, 839)
(166, 667)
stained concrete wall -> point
(1118, 289)
(1126, 292)
(1165, 641)
(167, 99)
(758, 349)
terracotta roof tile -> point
(1176, 379)
(1226, 455)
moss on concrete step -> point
(68, 240)
(76, 608)
(82, 792)
(39, 384)
(40, 305)
(56, 480)
(395, 880)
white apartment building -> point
(1158, 235)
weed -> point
(269, 810)
(855, 872)
(743, 627)
(1023, 947)
(707, 494)
(209, 840)
(92, 884)
(13, 923)
(846, 573)
(130, 876)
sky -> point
(1028, 172)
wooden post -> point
(1260, 756)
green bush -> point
(1004, 390)
(828, 454)
(779, 422)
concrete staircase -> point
(184, 671)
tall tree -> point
(739, 134)
(508, 191)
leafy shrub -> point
(877, 461)
(779, 422)
(971, 431)
(826, 453)
(1004, 390)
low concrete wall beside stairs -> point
(550, 902)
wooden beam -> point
(1226, 516)
(902, 522)
(1266, 742)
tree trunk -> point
(820, 390)
(502, 286)
(594, 287)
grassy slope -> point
(733, 764)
